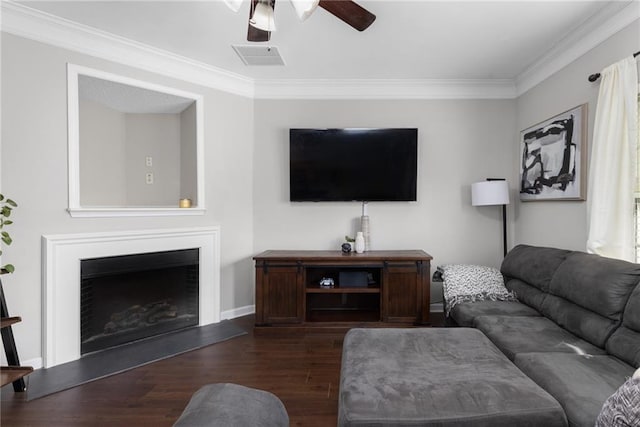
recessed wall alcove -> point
(135, 148)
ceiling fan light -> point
(233, 4)
(304, 8)
(262, 17)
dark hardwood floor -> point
(302, 368)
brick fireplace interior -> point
(136, 296)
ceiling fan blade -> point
(255, 34)
(350, 12)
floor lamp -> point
(493, 192)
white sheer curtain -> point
(613, 167)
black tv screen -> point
(330, 165)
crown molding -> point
(23, 21)
(385, 89)
(33, 24)
(598, 28)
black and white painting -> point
(552, 158)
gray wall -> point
(188, 155)
(156, 136)
(113, 150)
(103, 180)
(564, 224)
(459, 142)
(246, 158)
(34, 173)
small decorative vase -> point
(346, 247)
(359, 242)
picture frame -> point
(553, 158)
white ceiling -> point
(409, 39)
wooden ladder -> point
(14, 373)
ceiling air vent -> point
(259, 55)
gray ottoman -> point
(436, 377)
(232, 405)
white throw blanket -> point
(471, 283)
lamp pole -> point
(504, 229)
(504, 220)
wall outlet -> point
(148, 161)
(149, 178)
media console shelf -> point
(376, 286)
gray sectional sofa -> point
(552, 358)
(575, 329)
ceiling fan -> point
(262, 23)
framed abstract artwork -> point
(553, 158)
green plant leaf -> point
(6, 207)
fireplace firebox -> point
(131, 297)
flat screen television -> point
(331, 165)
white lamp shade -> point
(304, 8)
(487, 193)
(263, 18)
(233, 4)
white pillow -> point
(622, 408)
(471, 283)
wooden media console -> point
(384, 287)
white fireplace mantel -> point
(61, 255)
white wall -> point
(459, 142)
(564, 224)
(34, 173)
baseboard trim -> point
(238, 312)
(35, 363)
(436, 307)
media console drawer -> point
(318, 288)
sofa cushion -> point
(625, 341)
(588, 294)
(580, 321)
(580, 383)
(599, 284)
(527, 294)
(227, 404)
(533, 264)
(436, 377)
(526, 334)
(464, 314)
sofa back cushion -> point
(528, 271)
(533, 265)
(588, 294)
(625, 341)
(525, 293)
